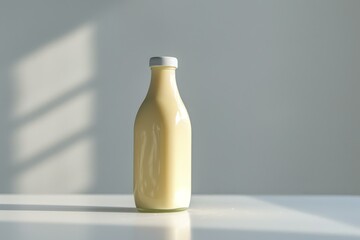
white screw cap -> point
(163, 61)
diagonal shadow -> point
(344, 209)
(66, 97)
(47, 21)
(65, 208)
(43, 156)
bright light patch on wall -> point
(53, 70)
(52, 146)
(54, 127)
(69, 171)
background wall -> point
(272, 88)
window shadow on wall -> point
(51, 88)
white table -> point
(210, 217)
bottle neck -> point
(163, 82)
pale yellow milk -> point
(162, 146)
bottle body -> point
(162, 147)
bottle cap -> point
(163, 61)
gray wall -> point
(272, 89)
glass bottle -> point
(162, 144)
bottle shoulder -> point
(163, 104)
(162, 110)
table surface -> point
(209, 217)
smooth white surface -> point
(210, 217)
